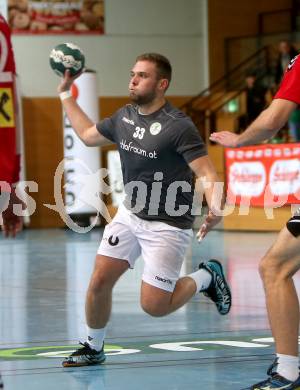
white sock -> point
(95, 337)
(202, 279)
(288, 366)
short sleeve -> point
(290, 85)
(108, 126)
(188, 143)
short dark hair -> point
(164, 68)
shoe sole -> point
(67, 364)
(225, 283)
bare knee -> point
(266, 268)
(106, 273)
(100, 283)
(273, 269)
(154, 309)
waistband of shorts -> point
(124, 209)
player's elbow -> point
(91, 137)
(87, 140)
(91, 141)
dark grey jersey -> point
(155, 151)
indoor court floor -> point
(44, 275)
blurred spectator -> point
(255, 101)
(286, 53)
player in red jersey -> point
(282, 260)
(9, 156)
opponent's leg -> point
(277, 268)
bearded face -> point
(142, 98)
(143, 86)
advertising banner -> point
(56, 17)
(263, 175)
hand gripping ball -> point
(67, 56)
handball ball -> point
(67, 56)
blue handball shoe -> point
(218, 290)
(275, 381)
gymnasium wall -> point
(232, 18)
(176, 28)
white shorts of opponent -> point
(162, 246)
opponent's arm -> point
(206, 173)
(11, 223)
(264, 127)
(81, 123)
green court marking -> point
(33, 353)
(146, 347)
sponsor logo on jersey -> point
(129, 147)
(291, 64)
(124, 119)
(155, 128)
(6, 107)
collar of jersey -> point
(155, 113)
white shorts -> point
(162, 246)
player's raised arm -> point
(68, 61)
(84, 127)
